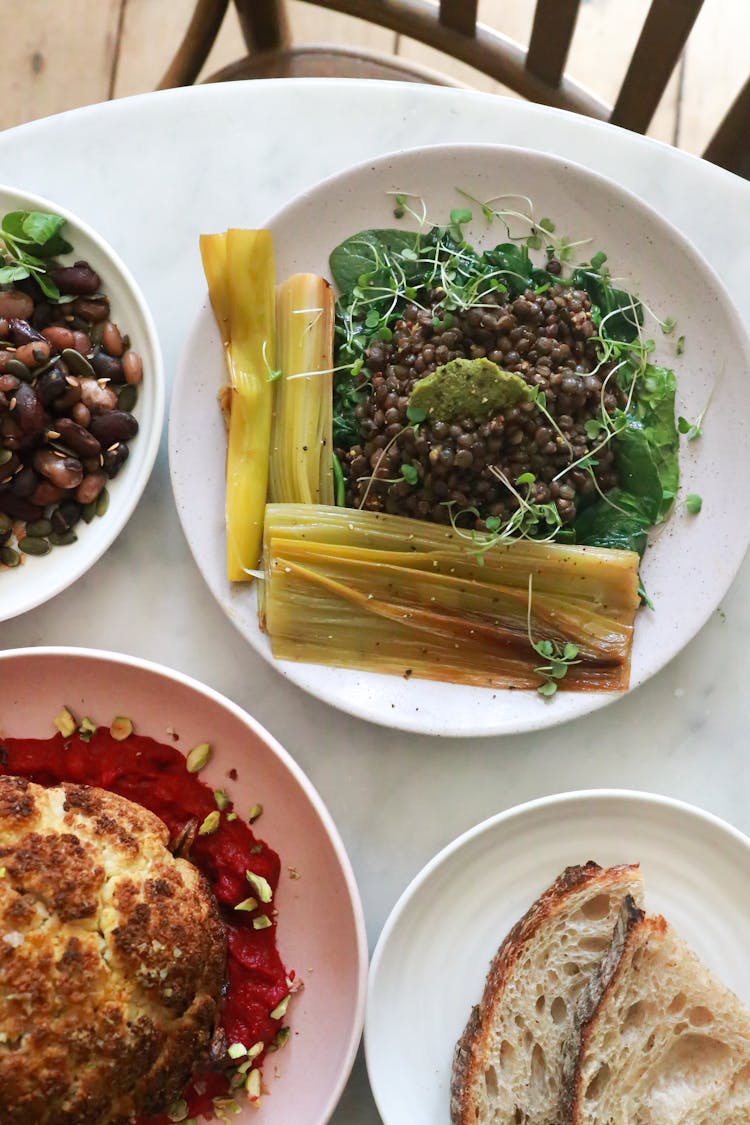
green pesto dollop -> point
(467, 388)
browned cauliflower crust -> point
(112, 959)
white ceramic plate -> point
(39, 579)
(689, 568)
(429, 966)
(321, 930)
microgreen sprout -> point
(693, 503)
(693, 430)
(272, 374)
(558, 656)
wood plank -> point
(554, 24)
(716, 66)
(660, 44)
(51, 63)
(311, 24)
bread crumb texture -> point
(112, 959)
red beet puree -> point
(154, 775)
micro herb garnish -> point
(272, 374)
(693, 430)
(530, 520)
(559, 656)
(459, 217)
(409, 473)
(680, 345)
(27, 238)
(693, 503)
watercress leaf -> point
(492, 523)
(546, 224)
(372, 320)
(534, 242)
(558, 669)
(621, 521)
(461, 215)
(683, 425)
(47, 286)
(12, 273)
(364, 253)
(40, 227)
(544, 648)
(547, 689)
(410, 474)
(598, 260)
(693, 503)
(12, 225)
(525, 478)
(593, 428)
(570, 652)
(646, 450)
(415, 414)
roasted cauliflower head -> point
(112, 959)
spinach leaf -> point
(646, 451)
(518, 269)
(367, 254)
(623, 311)
(623, 527)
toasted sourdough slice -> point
(507, 1068)
(661, 1041)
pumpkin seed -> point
(9, 557)
(20, 370)
(33, 546)
(62, 538)
(38, 528)
(6, 523)
(102, 502)
(77, 363)
(88, 511)
(5, 456)
(96, 333)
(127, 397)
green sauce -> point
(467, 388)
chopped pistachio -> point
(255, 812)
(280, 1008)
(260, 885)
(256, 1049)
(252, 1085)
(86, 728)
(65, 723)
(221, 799)
(210, 824)
(120, 728)
(231, 816)
(262, 922)
(179, 1111)
(280, 1039)
(247, 904)
(237, 1050)
(198, 757)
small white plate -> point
(694, 558)
(40, 578)
(429, 966)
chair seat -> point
(324, 61)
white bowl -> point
(430, 963)
(693, 559)
(321, 930)
(40, 578)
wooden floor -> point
(76, 52)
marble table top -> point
(149, 173)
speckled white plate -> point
(321, 930)
(694, 558)
(429, 966)
(40, 578)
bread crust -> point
(112, 959)
(628, 927)
(469, 1055)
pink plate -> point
(321, 926)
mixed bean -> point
(546, 339)
(68, 386)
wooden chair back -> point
(537, 73)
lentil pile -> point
(546, 339)
(68, 385)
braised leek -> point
(239, 270)
(302, 435)
(383, 593)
